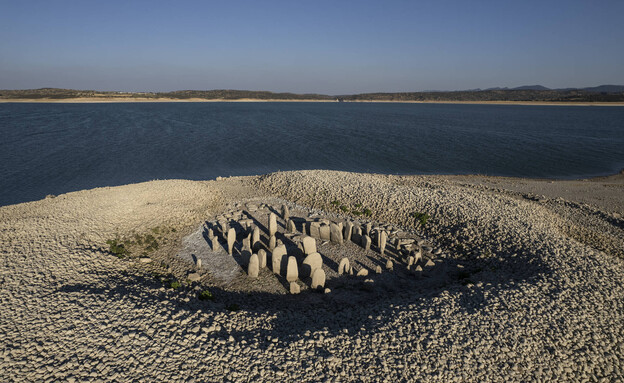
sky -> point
(329, 47)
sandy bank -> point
(540, 298)
(138, 99)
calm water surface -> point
(56, 148)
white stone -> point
(272, 224)
(318, 279)
(254, 266)
(378, 269)
(292, 271)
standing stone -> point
(357, 230)
(378, 269)
(315, 230)
(389, 265)
(214, 242)
(362, 273)
(344, 266)
(383, 240)
(224, 227)
(310, 263)
(410, 261)
(272, 224)
(318, 279)
(348, 230)
(198, 263)
(290, 225)
(276, 259)
(261, 259)
(247, 243)
(255, 238)
(210, 233)
(417, 254)
(309, 245)
(254, 266)
(294, 288)
(272, 243)
(292, 272)
(367, 229)
(366, 242)
(231, 238)
(285, 212)
(335, 233)
(325, 232)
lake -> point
(57, 148)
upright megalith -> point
(272, 224)
(389, 265)
(310, 263)
(292, 271)
(291, 227)
(362, 273)
(348, 230)
(335, 233)
(247, 243)
(315, 229)
(223, 226)
(294, 288)
(272, 243)
(262, 256)
(325, 232)
(276, 259)
(368, 228)
(309, 245)
(285, 212)
(366, 242)
(231, 238)
(344, 266)
(318, 279)
(383, 240)
(255, 238)
(254, 266)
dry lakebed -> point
(311, 276)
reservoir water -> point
(57, 148)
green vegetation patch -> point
(117, 248)
(205, 295)
(421, 217)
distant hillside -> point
(603, 93)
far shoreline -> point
(103, 100)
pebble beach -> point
(539, 296)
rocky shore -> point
(105, 285)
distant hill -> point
(602, 93)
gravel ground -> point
(540, 297)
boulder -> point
(378, 269)
(366, 242)
(344, 266)
(318, 279)
(335, 233)
(262, 259)
(362, 273)
(272, 224)
(310, 263)
(193, 277)
(292, 271)
(254, 266)
(276, 259)
(231, 238)
(309, 245)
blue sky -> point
(332, 47)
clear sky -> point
(331, 47)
